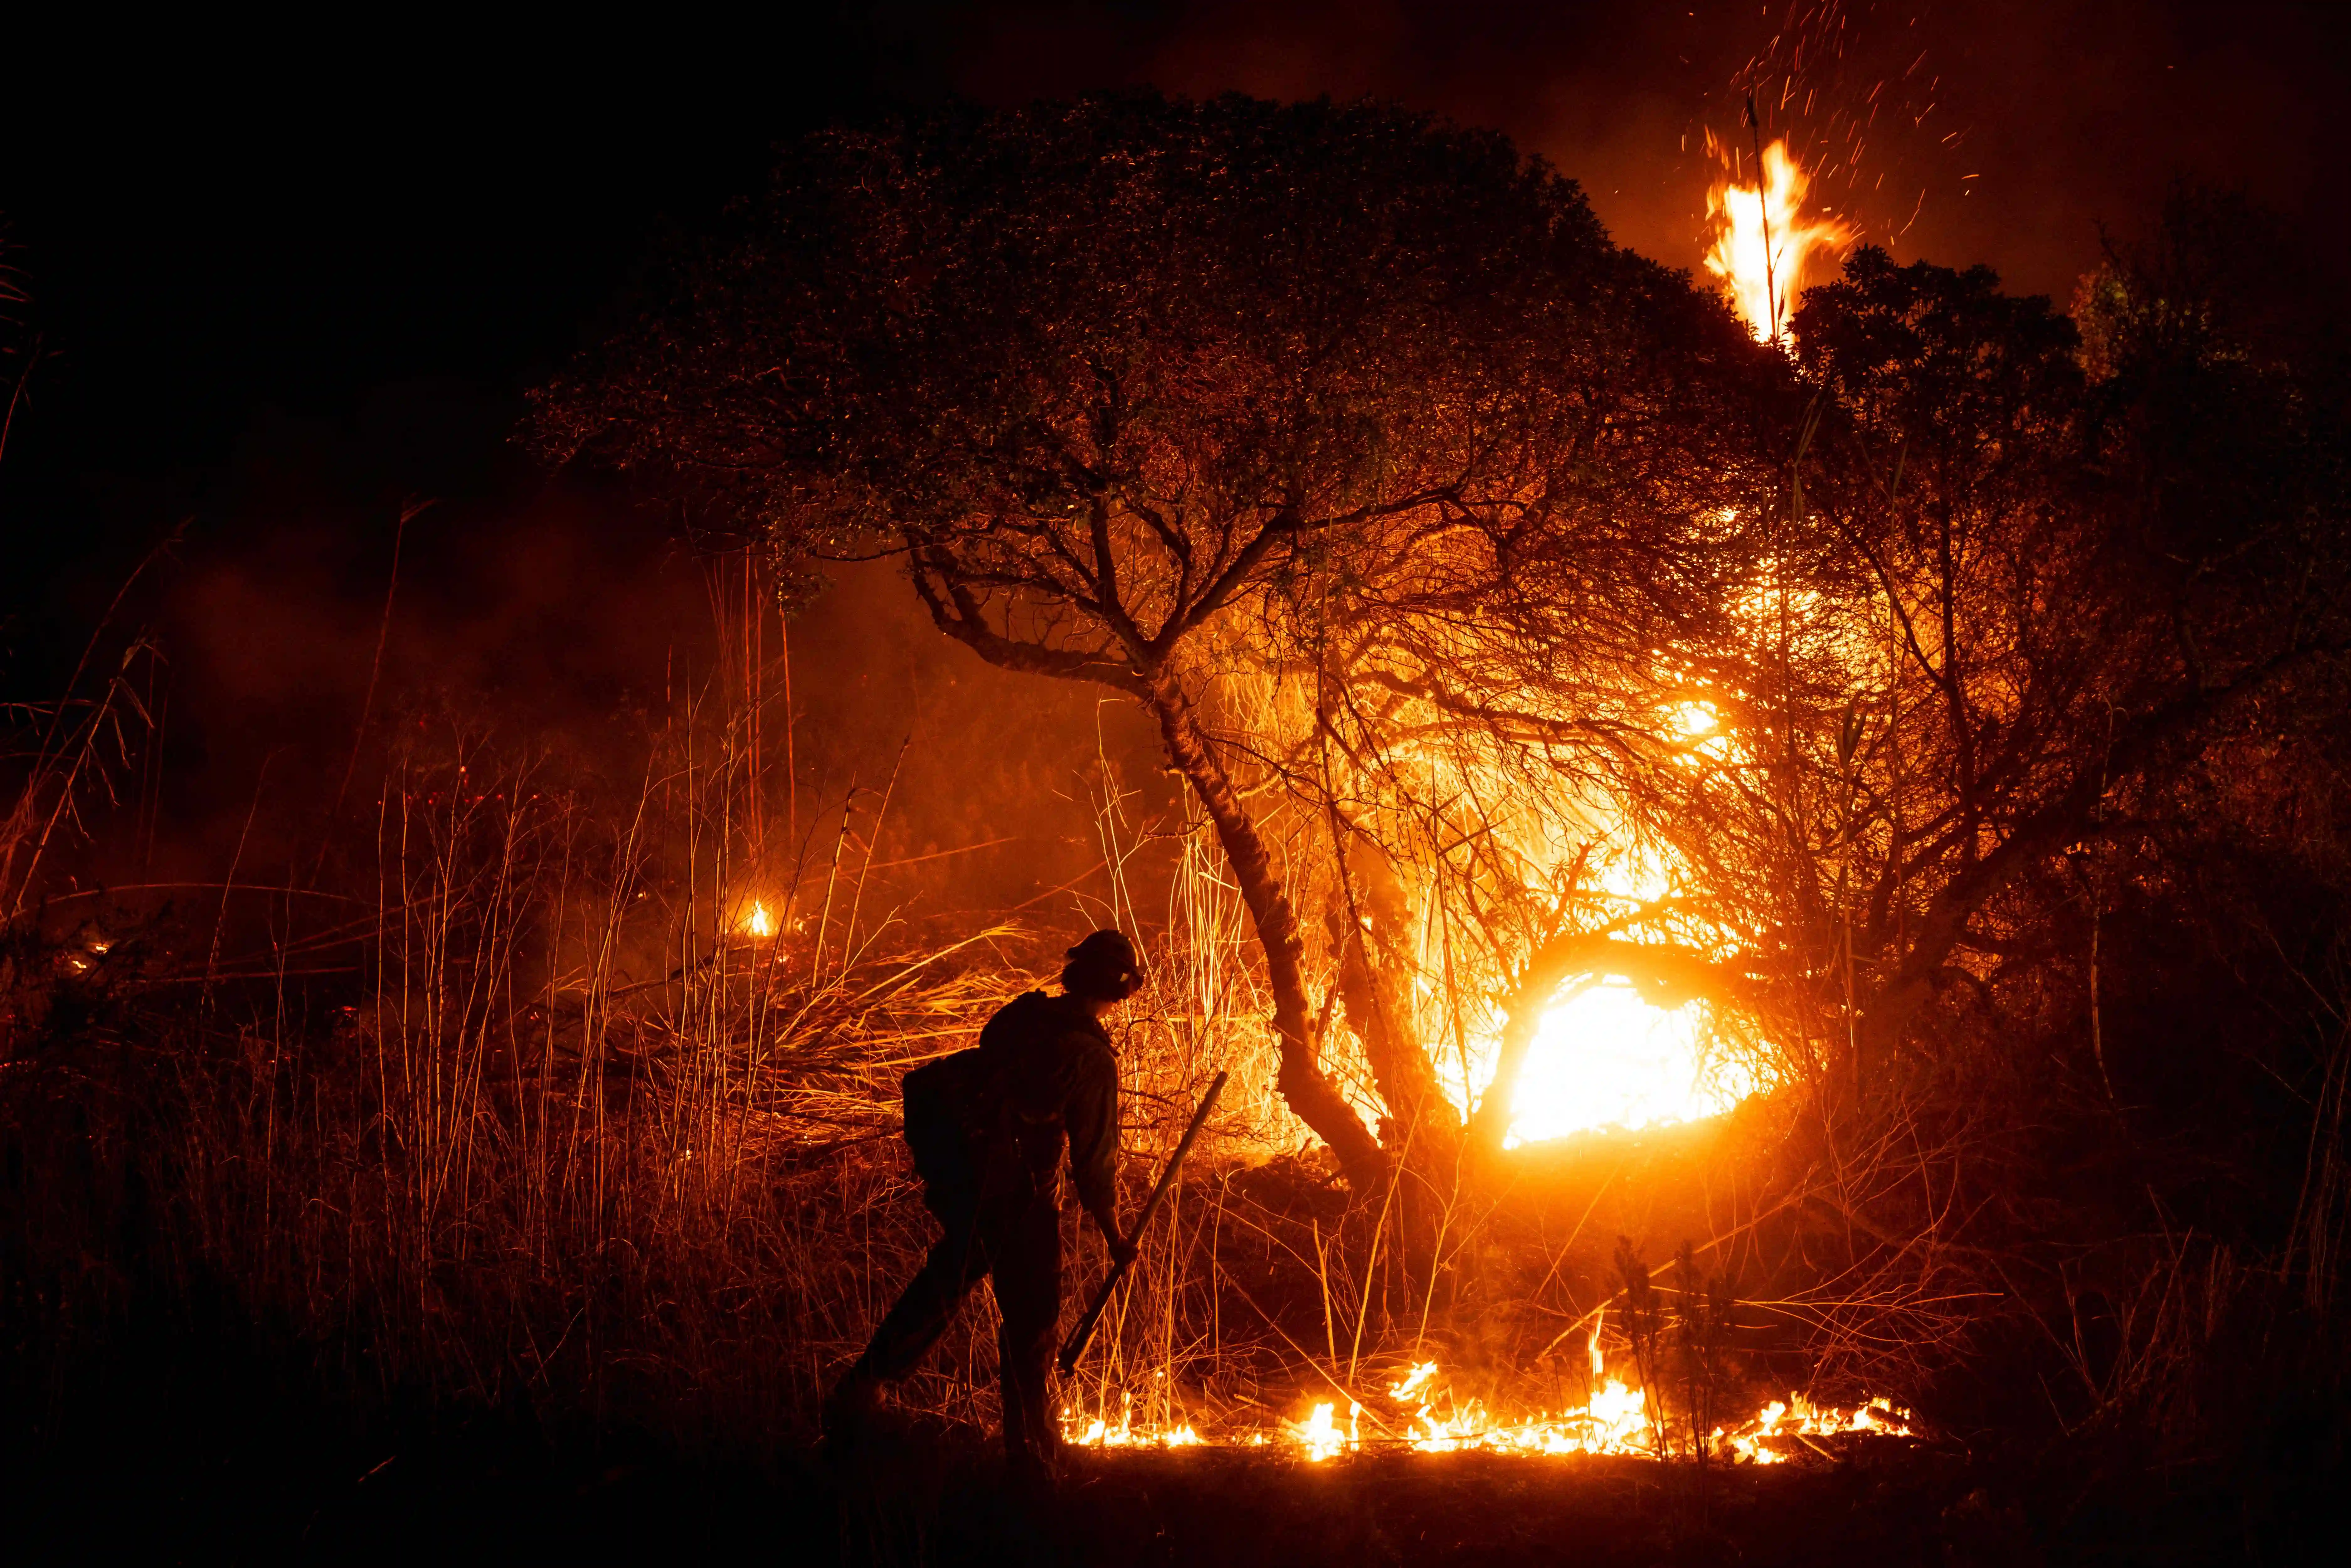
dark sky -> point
(2062, 114)
(225, 225)
(289, 279)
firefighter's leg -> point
(1024, 1245)
(928, 1303)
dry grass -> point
(510, 1114)
(513, 1111)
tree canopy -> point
(1106, 375)
(1570, 632)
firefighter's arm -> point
(1121, 1249)
(1092, 1119)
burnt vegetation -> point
(1950, 705)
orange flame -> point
(1764, 243)
(1615, 1419)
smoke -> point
(549, 619)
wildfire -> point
(1320, 1436)
(1615, 1419)
(1606, 1058)
(1098, 1433)
(758, 923)
(1764, 243)
(1798, 1419)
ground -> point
(498, 1492)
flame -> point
(1764, 274)
(1321, 1436)
(758, 922)
(1613, 1420)
(1696, 719)
(1413, 1381)
(1098, 1433)
(1603, 1055)
(1799, 1419)
(1606, 1058)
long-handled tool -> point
(1075, 1346)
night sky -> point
(361, 244)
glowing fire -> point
(1321, 1436)
(1615, 1419)
(1605, 1058)
(1098, 1433)
(1764, 243)
(1798, 1419)
(758, 922)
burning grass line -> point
(664, 1083)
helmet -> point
(1102, 967)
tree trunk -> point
(1369, 923)
(1312, 1096)
(1522, 1016)
(1421, 1133)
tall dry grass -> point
(509, 1111)
(516, 1114)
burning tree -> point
(1519, 622)
(1263, 416)
(2028, 609)
(2017, 600)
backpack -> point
(955, 1106)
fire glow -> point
(1765, 244)
(1615, 1420)
(1605, 1058)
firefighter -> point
(986, 1128)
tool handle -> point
(1075, 1346)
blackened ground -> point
(264, 1480)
